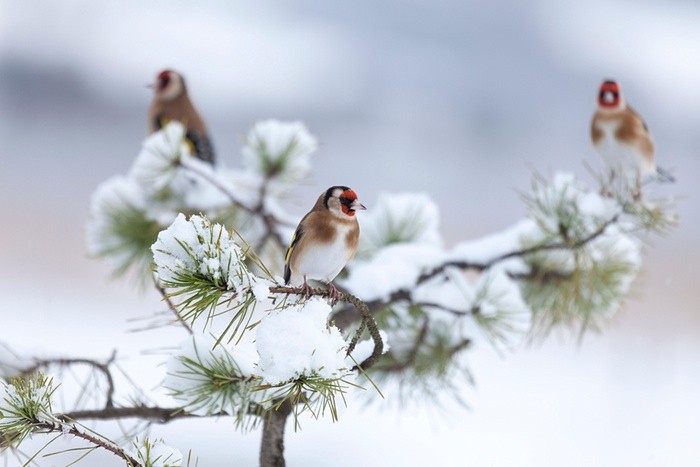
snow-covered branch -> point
(258, 351)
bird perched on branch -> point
(171, 102)
(622, 139)
(325, 240)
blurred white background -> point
(460, 99)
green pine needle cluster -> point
(585, 297)
(309, 393)
(423, 356)
(134, 232)
(222, 387)
(24, 403)
(272, 165)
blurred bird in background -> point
(622, 139)
(172, 102)
(325, 240)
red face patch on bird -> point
(609, 96)
(349, 203)
(163, 79)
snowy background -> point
(460, 99)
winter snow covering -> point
(392, 260)
(400, 241)
(35, 398)
(157, 164)
(114, 196)
(195, 246)
(166, 165)
(400, 218)
(288, 344)
(297, 341)
(282, 149)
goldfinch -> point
(171, 102)
(621, 137)
(325, 240)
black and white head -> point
(610, 96)
(342, 202)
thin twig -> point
(171, 306)
(270, 221)
(347, 315)
(102, 367)
(518, 253)
(159, 414)
(58, 428)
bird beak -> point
(356, 206)
(151, 85)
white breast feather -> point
(620, 156)
(323, 261)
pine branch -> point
(410, 359)
(569, 245)
(348, 316)
(49, 427)
(157, 414)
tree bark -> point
(272, 445)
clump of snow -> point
(196, 246)
(25, 401)
(492, 300)
(279, 151)
(155, 453)
(171, 177)
(158, 163)
(114, 200)
(261, 290)
(124, 221)
(400, 218)
(567, 201)
(392, 268)
(298, 342)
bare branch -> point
(270, 221)
(101, 367)
(49, 427)
(465, 265)
(157, 414)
